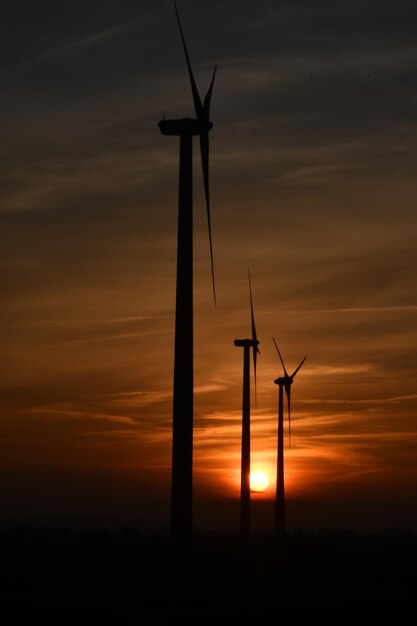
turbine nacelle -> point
(249, 343)
(184, 126)
(284, 380)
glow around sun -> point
(259, 481)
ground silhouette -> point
(131, 576)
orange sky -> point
(313, 187)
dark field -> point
(127, 576)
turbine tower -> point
(283, 382)
(246, 344)
(183, 392)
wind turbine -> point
(183, 393)
(283, 382)
(246, 344)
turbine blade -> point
(254, 335)
(207, 99)
(288, 392)
(299, 367)
(199, 111)
(204, 147)
(279, 354)
(254, 374)
(202, 113)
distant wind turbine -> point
(183, 395)
(283, 382)
(246, 344)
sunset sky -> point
(313, 186)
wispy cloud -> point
(80, 322)
(364, 401)
(367, 309)
(90, 41)
(140, 398)
(146, 398)
(335, 370)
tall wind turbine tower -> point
(246, 344)
(183, 394)
(283, 382)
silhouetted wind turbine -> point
(182, 444)
(246, 344)
(284, 382)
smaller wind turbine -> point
(283, 382)
(247, 344)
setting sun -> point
(259, 481)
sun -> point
(259, 481)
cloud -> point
(92, 40)
(364, 401)
(371, 309)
